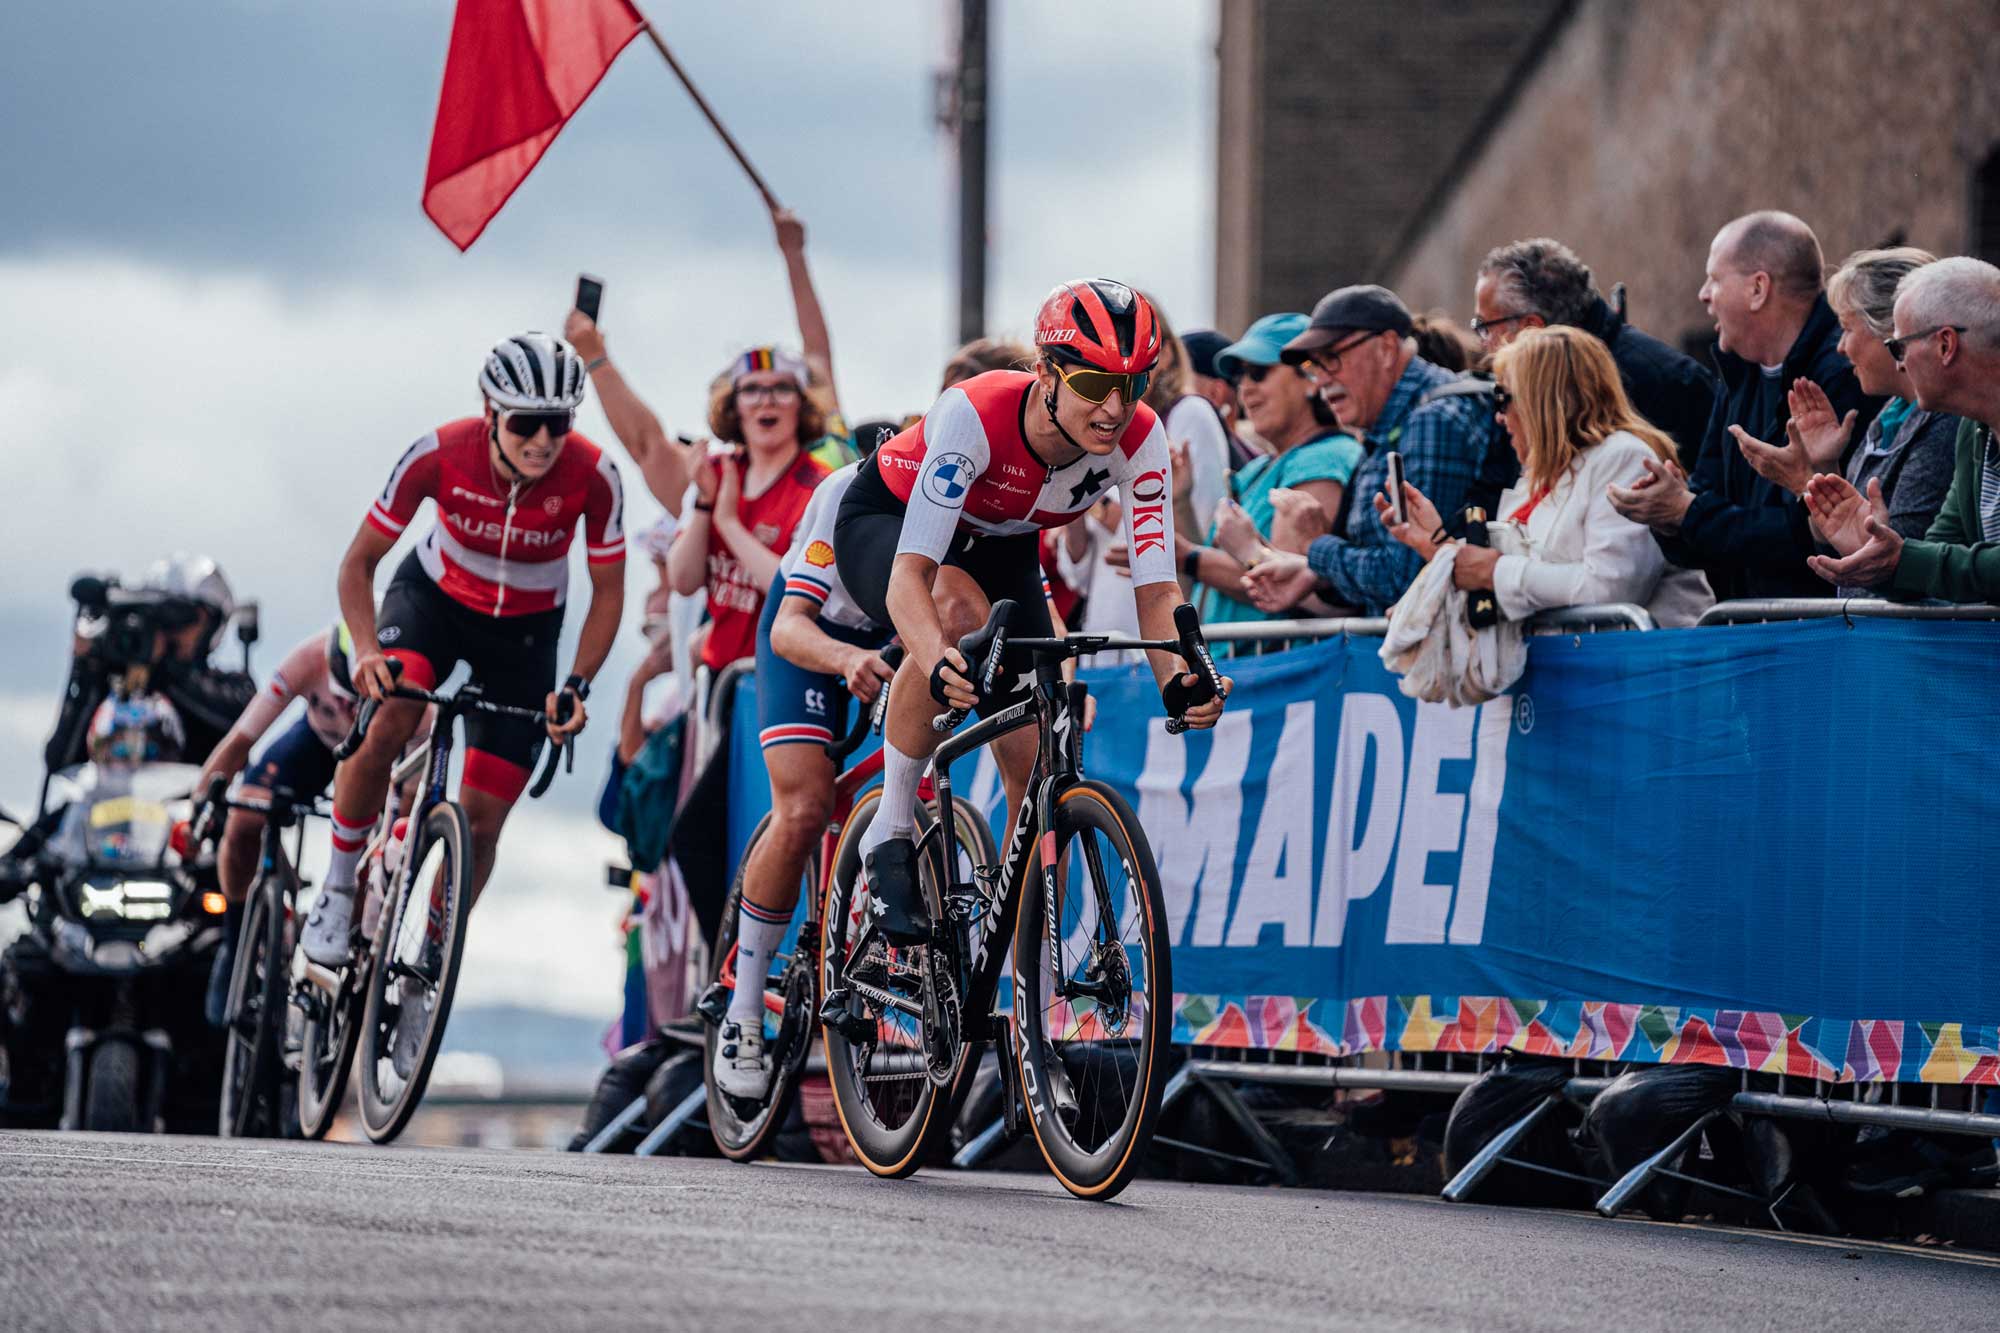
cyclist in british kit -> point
(944, 519)
(485, 586)
(815, 648)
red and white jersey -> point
(304, 674)
(502, 550)
(735, 600)
(968, 464)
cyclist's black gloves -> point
(937, 681)
(1179, 696)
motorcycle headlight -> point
(129, 900)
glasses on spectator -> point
(1094, 386)
(527, 425)
(1484, 328)
(767, 393)
(1502, 399)
(1252, 372)
(1328, 358)
(1900, 347)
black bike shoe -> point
(896, 904)
(215, 1003)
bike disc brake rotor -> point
(1111, 971)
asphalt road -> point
(129, 1232)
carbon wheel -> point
(414, 971)
(744, 1127)
(1092, 1022)
(256, 1016)
(893, 1108)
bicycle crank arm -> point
(884, 998)
(323, 978)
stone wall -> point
(1647, 126)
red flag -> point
(517, 71)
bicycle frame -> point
(1053, 707)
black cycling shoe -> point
(215, 1003)
(896, 903)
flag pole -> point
(728, 140)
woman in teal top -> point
(1309, 455)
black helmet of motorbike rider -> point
(198, 579)
(140, 729)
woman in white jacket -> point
(1560, 398)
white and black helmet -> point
(196, 578)
(533, 372)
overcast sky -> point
(228, 313)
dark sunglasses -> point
(1094, 386)
(1900, 347)
(1502, 400)
(527, 425)
(1253, 372)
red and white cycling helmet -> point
(1100, 325)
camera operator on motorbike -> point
(195, 604)
(485, 586)
(945, 519)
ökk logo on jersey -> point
(947, 477)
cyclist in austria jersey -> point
(946, 518)
(485, 586)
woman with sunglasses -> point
(946, 518)
(1565, 410)
(486, 587)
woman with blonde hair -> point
(1559, 396)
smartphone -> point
(589, 294)
(1398, 509)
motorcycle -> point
(104, 993)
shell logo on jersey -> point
(948, 477)
(819, 555)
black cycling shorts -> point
(512, 657)
(865, 537)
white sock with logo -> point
(758, 934)
(896, 817)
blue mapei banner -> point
(1761, 846)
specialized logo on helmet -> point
(948, 477)
(1056, 336)
(552, 506)
(819, 555)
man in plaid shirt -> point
(1359, 350)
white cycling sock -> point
(896, 817)
(759, 932)
(349, 840)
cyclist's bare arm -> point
(593, 642)
(797, 637)
(357, 608)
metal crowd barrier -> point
(1763, 610)
(1610, 616)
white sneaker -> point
(325, 939)
(742, 1065)
(415, 1002)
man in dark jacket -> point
(1773, 326)
(1535, 283)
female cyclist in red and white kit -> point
(486, 587)
(945, 519)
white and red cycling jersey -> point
(500, 549)
(968, 464)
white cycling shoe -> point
(742, 1064)
(408, 1045)
(331, 921)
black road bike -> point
(411, 928)
(744, 1127)
(1079, 896)
(258, 1092)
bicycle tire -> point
(898, 1150)
(1096, 1151)
(736, 1137)
(326, 1054)
(249, 1106)
(384, 1113)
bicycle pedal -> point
(838, 1013)
(713, 1005)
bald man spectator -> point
(1773, 326)
(1535, 283)
(1947, 340)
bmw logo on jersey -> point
(948, 477)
